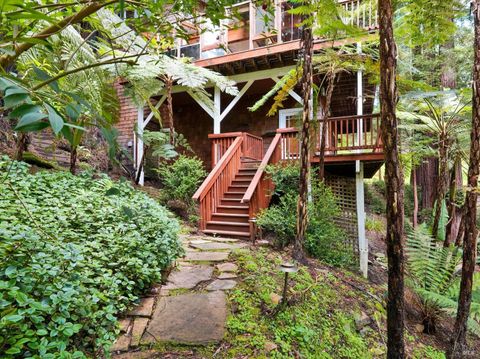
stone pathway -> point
(191, 307)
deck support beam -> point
(359, 139)
(360, 201)
(157, 106)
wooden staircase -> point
(232, 216)
(237, 187)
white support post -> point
(216, 111)
(236, 99)
(140, 149)
(359, 100)
(202, 104)
(151, 114)
(360, 200)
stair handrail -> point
(221, 179)
(257, 195)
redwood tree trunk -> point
(393, 182)
(442, 182)
(459, 338)
(454, 215)
(169, 84)
(326, 116)
(73, 161)
(415, 197)
(427, 173)
(302, 205)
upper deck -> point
(257, 35)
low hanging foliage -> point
(74, 253)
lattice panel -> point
(345, 193)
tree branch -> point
(7, 60)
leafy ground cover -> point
(74, 253)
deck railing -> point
(348, 134)
(252, 145)
(252, 32)
(360, 13)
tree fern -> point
(433, 275)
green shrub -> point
(286, 178)
(182, 178)
(374, 225)
(82, 253)
(324, 239)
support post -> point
(216, 111)
(360, 201)
(140, 149)
(359, 99)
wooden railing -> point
(352, 133)
(253, 146)
(261, 188)
(221, 143)
(216, 184)
(349, 134)
(361, 13)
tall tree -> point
(302, 205)
(393, 181)
(459, 339)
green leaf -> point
(56, 121)
(29, 119)
(13, 318)
(15, 99)
(42, 75)
(113, 191)
(42, 332)
(24, 109)
(10, 271)
(13, 350)
(73, 111)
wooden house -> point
(236, 144)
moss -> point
(36, 160)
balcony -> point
(256, 28)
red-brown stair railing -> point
(210, 193)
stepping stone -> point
(220, 239)
(189, 319)
(227, 275)
(143, 354)
(124, 325)
(227, 267)
(121, 344)
(199, 241)
(189, 277)
(206, 256)
(139, 326)
(217, 246)
(221, 284)
(144, 309)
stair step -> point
(230, 217)
(238, 182)
(233, 195)
(245, 177)
(238, 187)
(232, 209)
(230, 201)
(228, 226)
(226, 233)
